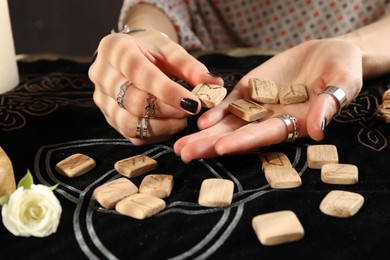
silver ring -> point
(121, 93)
(139, 127)
(338, 95)
(142, 127)
(145, 127)
(127, 30)
(292, 127)
(150, 107)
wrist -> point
(374, 50)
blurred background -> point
(66, 27)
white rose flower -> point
(32, 212)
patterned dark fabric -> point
(51, 115)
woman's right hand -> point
(148, 60)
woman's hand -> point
(147, 60)
(316, 64)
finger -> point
(133, 99)
(175, 60)
(199, 149)
(319, 115)
(151, 140)
(138, 102)
(325, 107)
(126, 123)
(137, 140)
(194, 146)
(185, 66)
(216, 114)
(138, 66)
(252, 136)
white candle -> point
(9, 75)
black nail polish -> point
(189, 105)
(323, 125)
(213, 74)
(94, 57)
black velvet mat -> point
(51, 115)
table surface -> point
(51, 115)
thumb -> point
(327, 105)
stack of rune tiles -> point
(122, 194)
(278, 171)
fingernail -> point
(323, 125)
(213, 75)
(189, 105)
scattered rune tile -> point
(337, 173)
(247, 110)
(75, 165)
(278, 159)
(321, 154)
(342, 204)
(111, 192)
(216, 192)
(158, 185)
(292, 94)
(210, 95)
(7, 177)
(282, 177)
(135, 165)
(140, 206)
(263, 91)
(277, 227)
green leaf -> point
(4, 200)
(26, 181)
(54, 186)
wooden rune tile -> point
(75, 165)
(216, 192)
(342, 204)
(210, 95)
(277, 227)
(158, 185)
(247, 110)
(293, 93)
(282, 177)
(7, 177)
(337, 173)
(278, 159)
(263, 91)
(321, 154)
(111, 192)
(135, 165)
(386, 95)
(140, 206)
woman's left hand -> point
(317, 64)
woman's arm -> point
(374, 42)
(147, 16)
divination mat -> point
(51, 115)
